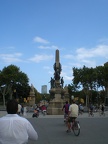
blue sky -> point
(31, 31)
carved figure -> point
(57, 74)
(52, 82)
(32, 88)
(62, 82)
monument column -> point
(56, 105)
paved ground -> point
(52, 130)
(84, 115)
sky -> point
(32, 30)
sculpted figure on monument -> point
(52, 82)
(57, 68)
(32, 88)
(57, 74)
(57, 71)
(62, 82)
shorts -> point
(71, 119)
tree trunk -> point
(4, 100)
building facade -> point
(44, 89)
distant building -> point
(44, 89)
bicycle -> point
(75, 126)
(102, 113)
(91, 113)
(65, 118)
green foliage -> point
(38, 96)
(13, 82)
(90, 80)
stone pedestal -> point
(56, 105)
(32, 101)
(32, 96)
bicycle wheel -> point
(92, 114)
(76, 128)
(103, 114)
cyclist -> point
(72, 114)
(36, 113)
(66, 109)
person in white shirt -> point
(72, 114)
(15, 129)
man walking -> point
(15, 129)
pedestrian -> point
(81, 109)
(15, 129)
(22, 109)
(19, 109)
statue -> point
(57, 74)
(52, 82)
(55, 82)
(62, 82)
(32, 88)
(55, 67)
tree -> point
(72, 89)
(11, 79)
(90, 79)
(84, 78)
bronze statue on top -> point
(57, 81)
(57, 71)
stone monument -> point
(57, 90)
(32, 95)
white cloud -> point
(88, 57)
(5, 49)
(104, 40)
(9, 58)
(100, 50)
(38, 58)
(65, 76)
(48, 47)
(40, 40)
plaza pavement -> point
(84, 115)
